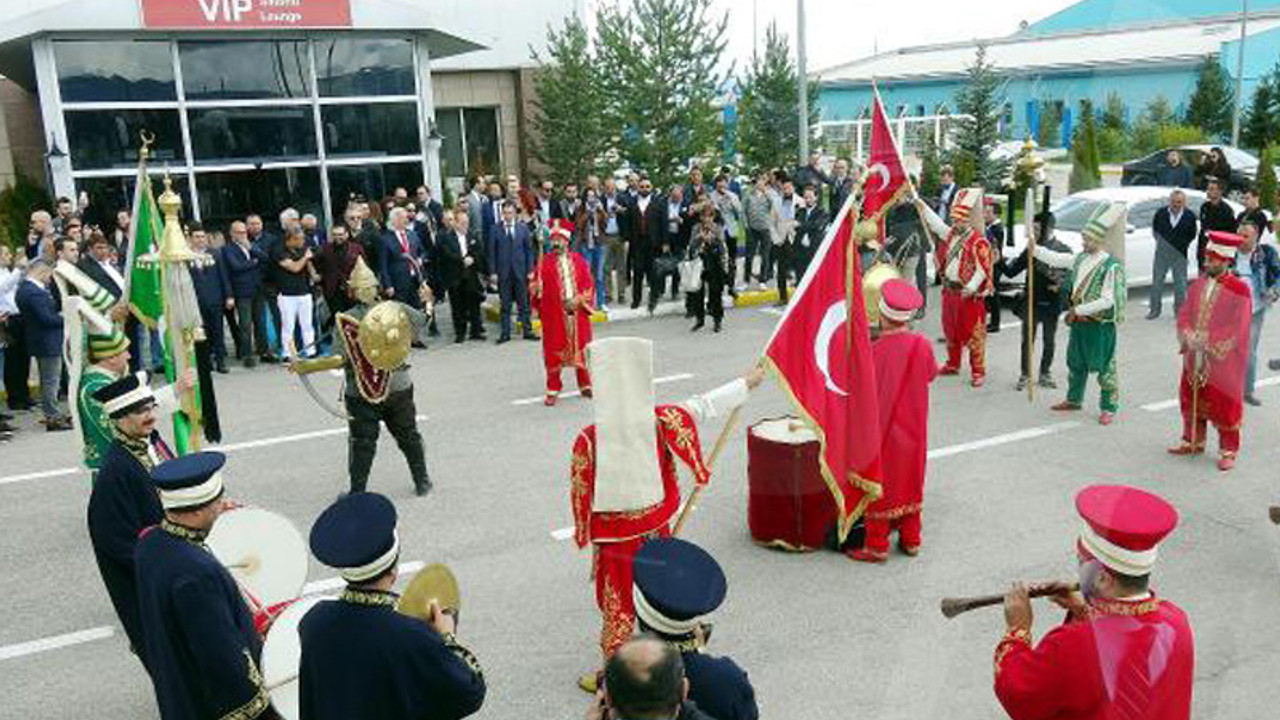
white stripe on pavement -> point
(230, 447)
(9, 652)
(574, 393)
(946, 451)
(1170, 404)
(31, 647)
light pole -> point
(804, 85)
(1235, 115)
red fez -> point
(1223, 245)
(1124, 526)
(899, 300)
(561, 228)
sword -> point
(311, 390)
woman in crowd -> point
(1214, 165)
(590, 224)
(706, 243)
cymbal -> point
(434, 583)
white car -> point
(1072, 212)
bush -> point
(1171, 135)
(1113, 145)
(17, 202)
(1267, 180)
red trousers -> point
(1228, 439)
(964, 323)
(554, 384)
(908, 527)
(613, 590)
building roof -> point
(1174, 44)
(1114, 14)
(447, 35)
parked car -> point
(1144, 171)
(1072, 212)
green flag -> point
(143, 279)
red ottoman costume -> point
(1213, 329)
(564, 294)
(1130, 658)
(964, 257)
(624, 481)
(904, 366)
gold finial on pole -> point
(173, 244)
(148, 139)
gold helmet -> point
(363, 283)
(385, 334)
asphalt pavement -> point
(820, 636)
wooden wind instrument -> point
(953, 606)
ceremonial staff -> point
(1031, 167)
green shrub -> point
(1113, 145)
(1267, 180)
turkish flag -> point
(821, 352)
(886, 178)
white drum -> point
(282, 657)
(264, 552)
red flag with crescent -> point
(886, 177)
(821, 353)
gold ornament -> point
(385, 335)
(363, 283)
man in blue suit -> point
(42, 325)
(244, 271)
(511, 262)
(213, 289)
(401, 261)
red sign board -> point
(245, 14)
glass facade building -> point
(253, 124)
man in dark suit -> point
(401, 261)
(647, 221)
(1174, 227)
(511, 263)
(1215, 214)
(42, 324)
(811, 226)
(462, 267)
(490, 212)
(213, 291)
(429, 205)
(244, 272)
(265, 246)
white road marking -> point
(565, 533)
(574, 393)
(230, 447)
(771, 311)
(1170, 404)
(31, 647)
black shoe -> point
(697, 326)
(58, 425)
(421, 489)
(502, 339)
(1152, 315)
(5, 427)
(459, 340)
(530, 335)
(433, 331)
(993, 329)
(268, 359)
(5, 417)
(635, 304)
(251, 362)
(716, 327)
(220, 366)
(1273, 364)
(1253, 400)
(478, 336)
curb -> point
(623, 313)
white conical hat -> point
(627, 474)
(1107, 226)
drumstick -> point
(711, 460)
(953, 606)
(282, 681)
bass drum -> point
(788, 503)
(265, 554)
(282, 657)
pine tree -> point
(1113, 112)
(664, 77)
(1260, 124)
(930, 169)
(567, 137)
(978, 129)
(1211, 103)
(768, 135)
(1086, 171)
(1266, 181)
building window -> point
(123, 71)
(101, 139)
(371, 129)
(471, 143)
(109, 194)
(256, 69)
(346, 66)
(257, 134)
(227, 196)
(374, 182)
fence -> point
(853, 137)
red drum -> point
(788, 505)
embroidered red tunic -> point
(1128, 661)
(618, 535)
(905, 366)
(564, 342)
(1216, 315)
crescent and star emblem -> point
(883, 172)
(834, 317)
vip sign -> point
(246, 14)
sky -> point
(844, 30)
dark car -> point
(1145, 171)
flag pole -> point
(144, 152)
